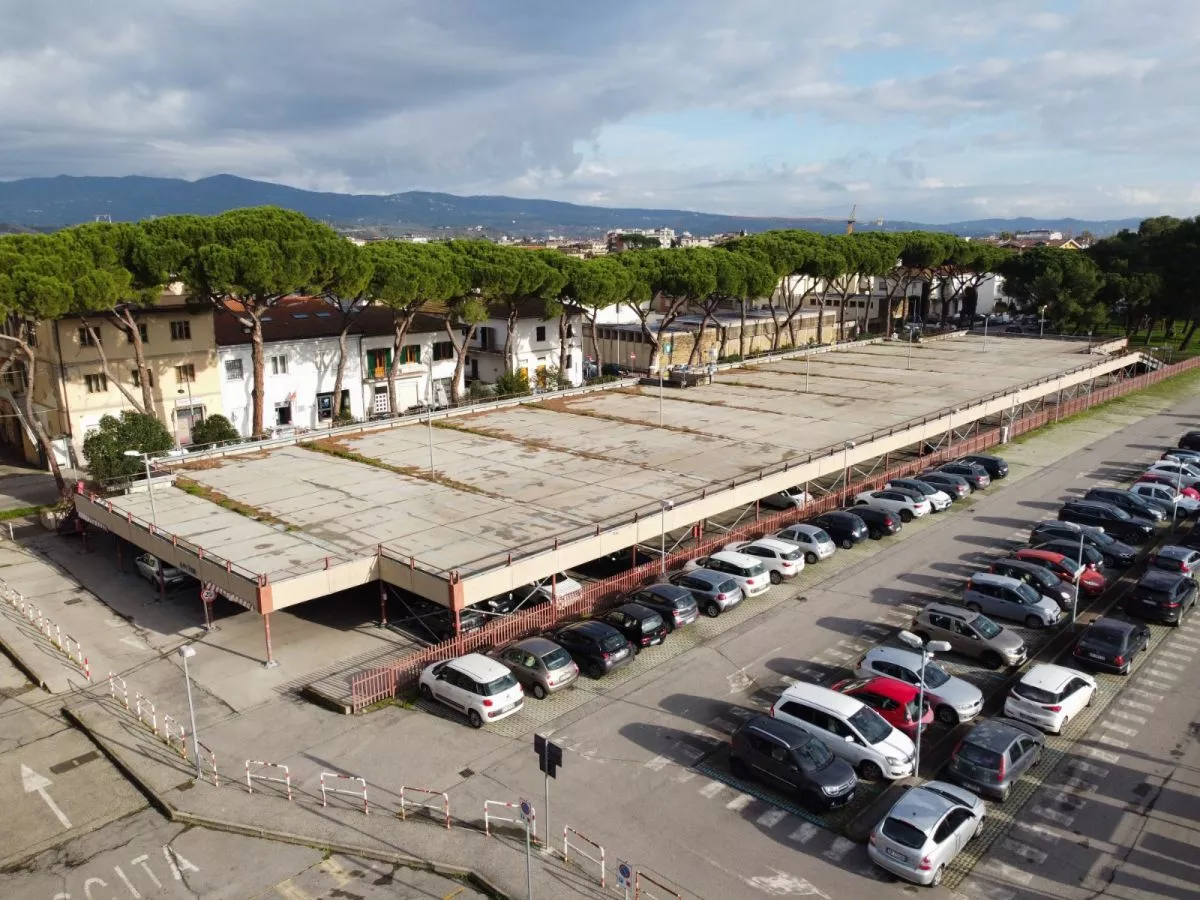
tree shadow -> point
(993, 542)
(1003, 522)
(1048, 505)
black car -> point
(878, 521)
(787, 758)
(846, 529)
(977, 476)
(430, 621)
(1038, 577)
(919, 487)
(994, 755)
(615, 563)
(1111, 644)
(995, 466)
(1117, 555)
(675, 604)
(1190, 441)
(954, 485)
(1134, 504)
(1114, 520)
(642, 626)
(596, 647)
(1162, 596)
(1074, 551)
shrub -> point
(104, 449)
(512, 384)
(214, 429)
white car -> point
(1049, 696)
(792, 498)
(1185, 507)
(561, 586)
(1187, 474)
(896, 502)
(953, 699)
(925, 830)
(811, 539)
(783, 559)
(154, 570)
(748, 571)
(483, 689)
(938, 499)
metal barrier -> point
(360, 791)
(568, 847)
(276, 767)
(489, 817)
(173, 731)
(141, 704)
(406, 805)
(212, 762)
(639, 891)
(113, 680)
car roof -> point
(896, 655)
(1113, 626)
(994, 734)
(479, 667)
(738, 559)
(1174, 551)
(1049, 677)
(636, 610)
(591, 627)
(714, 578)
(785, 732)
(997, 580)
(987, 456)
(804, 527)
(667, 591)
(921, 808)
(771, 544)
(836, 515)
(889, 687)
(829, 699)
(1048, 555)
(950, 609)
(538, 646)
(1160, 579)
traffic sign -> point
(526, 810)
(208, 593)
(550, 756)
(624, 875)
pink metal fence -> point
(385, 681)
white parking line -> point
(1175, 654)
(1102, 755)
(1082, 785)
(1096, 771)
(840, 847)
(1119, 729)
(1039, 832)
(805, 833)
(1161, 685)
(838, 654)
(771, 818)
(1159, 673)
(711, 789)
(683, 776)
(1005, 872)
(740, 802)
(1128, 717)
(1027, 853)
(1174, 667)
(1133, 704)
(1185, 638)
(1113, 742)
(656, 764)
(876, 629)
(1157, 698)
(722, 724)
(1053, 815)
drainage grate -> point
(466, 773)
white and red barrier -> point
(358, 792)
(174, 731)
(207, 754)
(275, 767)
(641, 888)
(433, 808)
(489, 817)
(115, 683)
(579, 849)
(145, 709)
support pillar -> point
(382, 604)
(456, 603)
(757, 510)
(271, 662)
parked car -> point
(1076, 551)
(1190, 440)
(615, 563)
(677, 605)
(879, 523)
(851, 729)
(1039, 578)
(641, 625)
(1177, 504)
(561, 587)
(480, 688)
(782, 559)
(845, 528)
(953, 699)
(1173, 558)
(812, 540)
(714, 592)
(996, 467)
(900, 503)
(895, 700)
(994, 755)
(1068, 570)
(1049, 696)
(1009, 598)
(1116, 554)
(787, 757)
(976, 475)
(938, 498)
(154, 570)
(957, 487)
(1111, 644)
(791, 498)
(1180, 472)
(1169, 481)
(432, 621)
(1115, 521)
(1162, 596)
(596, 647)
(925, 830)
(748, 571)
(539, 664)
(1134, 504)
(1191, 457)
(970, 633)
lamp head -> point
(187, 651)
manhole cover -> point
(466, 773)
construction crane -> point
(850, 221)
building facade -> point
(533, 352)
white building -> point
(534, 350)
(427, 348)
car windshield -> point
(1028, 594)
(1099, 537)
(727, 587)
(750, 571)
(556, 658)
(904, 834)
(813, 756)
(500, 685)
(1119, 513)
(871, 725)
(1034, 694)
(986, 627)
(979, 756)
(935, 676)
(819, 536)
(790, 555)
(612, 643)
(652, 623)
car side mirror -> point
(850, 739)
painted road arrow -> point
(35, 783)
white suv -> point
(783, 559)
(902, 505)
(481, 688)
(748, 571)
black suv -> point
(977, 476)
(596, 647)
(879, 522)
(786, 757)
(995, 466)
(846, 529)
(1114, 520)
(1037, 577)
(641, 625)
(1117, 555)
(675, 604)
(1162, 596)
(1134, 504)
(1190, 441)
(1111, 644)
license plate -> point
(895, 854)
(620, 654)
(510, 707)
(1099, 656)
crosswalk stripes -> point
(805, 833)
(771, 818)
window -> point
(540, 334)
(487, 338)
(96, 384)
(86, 338)
(569, 362)
(136, 378)
(233, 370)
(443, 350)
(410, 354)
(181, 331)
(325, 404)
(283, 413)
(380, 404)
(142, 333)
(379, 361)
(278, 365)
(185, 374)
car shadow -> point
(1049, 505)
(933, 582)
(850, 627)
(993, 542)
(706, 710)
(683, 748)
(962, 570)
(1002, 522)
(817, 672)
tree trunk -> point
(1187, 335)
(460, 358)
(341, 372)
(845, 295)
(596, 345)
(509, 363)
(401, 322)
(258, 363)
(775, 333)
(129, 324)
(27, 415)
(108, 372)
(563, 322)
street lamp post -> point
(186, 652)
(663, 506)
(149, 483)
(847, 446)
(1042, 323)
(927, 649)
(429, 415)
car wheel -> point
(810, 558)
(1033, 622)
(946, 715)
(712, 610)
(937, 876)
(869, 771)
(738, 769)
(594, 670)
(776, 578)
(847, 543)
(905, 516)
(875, 534)
(539, 690)
(474, 719)
(974, 607)
(1062, 726)
(992, 660)
(426, 692)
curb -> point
(26, 669)
(156, 800)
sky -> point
(932, 111)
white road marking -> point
(771, 818)
(1128, 717)
(876, 629)
(1175, 654)
(1163, 664)
(1133, 704)
(788, 679)
(739, 681)
(987, 891)
(1119, 729)
(852, 646)
(1185, 638)
(805, 833)
(1159, 673)
(683, 776)
(1079, 784)
(711, 789)
(657, 764)
(1070, 801)
(1053, 815)
(1038, 832)
(1011, 874)
(840, 847)
(1113, 742)
(1027, 853)
(838, 654)
(1102, 755)
(722, 724)
(740, 802)
(1097, 771)
(1157, 698)
(33, 783)
(1161, 685)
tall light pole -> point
(847, 446)
(663, 506)
(1042, 323)
(926, 650)
(149, 483)
(429, 416)
(186, 652)
(1078, 580)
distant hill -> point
(69, 200)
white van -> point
(851, 729)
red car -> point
(895, 700)
(1171, 482)
(1091, 582)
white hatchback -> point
(902, 505)
(748, 571)
(783, 559)
(481, 688)
(1049, 696)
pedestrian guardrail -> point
(208, 755)
(175, 732)
(641, 888)
(117, 683)
(359, 792)
(432, 808)
(144, 708)
(579, 849)
(489, 817)
(261, 766)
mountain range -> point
(48, 203)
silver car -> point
(812, 539)
(155, 570)
(953, 699)
(715, 592)
(925, 830)
(541, 666)
(1009, 598)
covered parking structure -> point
(469, 506)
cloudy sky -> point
(934, 110)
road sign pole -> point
(526, 811)
(547, 814)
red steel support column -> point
(456, 603)
(271, 662)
